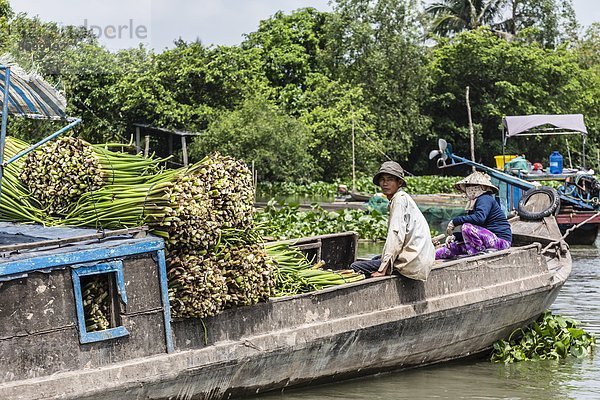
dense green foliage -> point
(291, 97)
(550, 337)
(506, 78)
(254, 132)
(283, 221)
(414, 185)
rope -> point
(99, 226)
(373, 141)
(569, 231)
(109, 162)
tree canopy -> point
(293, 95)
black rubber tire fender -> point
(552, 207)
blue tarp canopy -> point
(30, 95)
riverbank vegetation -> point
(414, 185)
(280, 221)
(289, 98)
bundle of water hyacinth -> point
(96, 304)
(204, 212)
(188, 207)
(61, 171)
(16, 202)
(294, 273)
(202, 284)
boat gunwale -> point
(190, 354)
(436, 266)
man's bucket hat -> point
(391, 168)
(475, 179)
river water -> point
(480, 379)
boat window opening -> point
(99, 295)
(99, 301)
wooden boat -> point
(356, 329)
(358, 196)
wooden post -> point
(138, 144)
(254, 180)
(471, 132)
(569, 153)
(353, 160)
(146, 145)
(184, 151)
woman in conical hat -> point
(485, 226)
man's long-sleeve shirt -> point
(408, 246)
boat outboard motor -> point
(582, 186)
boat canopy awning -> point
(544, 125)
(30, 96)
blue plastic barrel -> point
(556, 162)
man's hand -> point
(450, 228)
(450, 239)
(381, 272)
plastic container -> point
(555, 162)
(501, 160)
(517, 164)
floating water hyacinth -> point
(550, 337)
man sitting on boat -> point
(408, 248)
(485, 226)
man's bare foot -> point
(377, 274)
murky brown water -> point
(568, 379)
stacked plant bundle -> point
(190, 208)
(197, 287)
(248, 272)
(295, 274)
(60, 172)
(202, 284)
(96, 304)
(16, 201)
(174, 205)
(230, 186)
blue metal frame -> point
(79, 256)
(48, 262)
(99, 269)
(509, 179)
(164, 291)
(73, 123)
(4, 120)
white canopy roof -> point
(522, 123)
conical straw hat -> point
(476, 178)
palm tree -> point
(453, 16)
